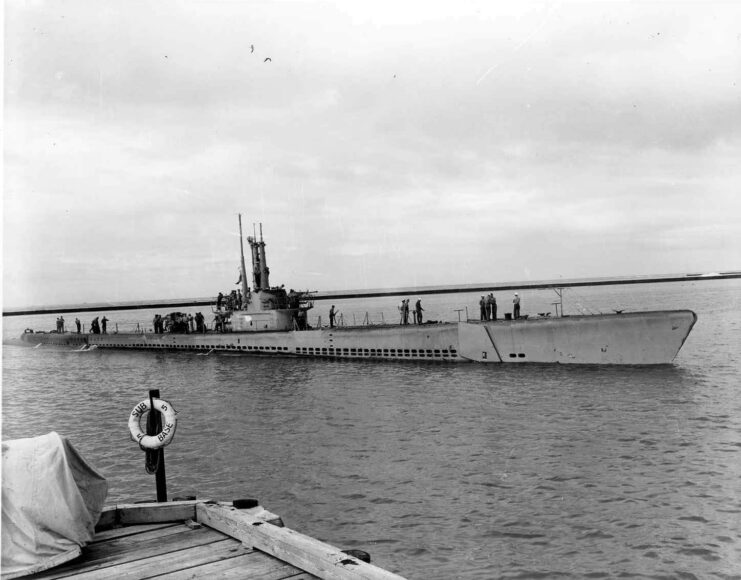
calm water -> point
(439, 471)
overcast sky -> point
(383, 144)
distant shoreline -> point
(383, 292)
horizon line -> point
(382, 292)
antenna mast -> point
(264, 270)
(243, 277)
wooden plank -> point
(131, 548)
(302, 551)
(146, 534)
(114, 533)
(107, 518)
(159, 512)
(255, 566)
(146, 513)
(155, 565)
(176, 537)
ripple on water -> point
(439, 471)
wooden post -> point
(154, 426)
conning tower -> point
(265, 308)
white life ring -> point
(169, 421)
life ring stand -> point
(169, 420)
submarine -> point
(268, 321)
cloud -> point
(383, 145)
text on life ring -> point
(169, 422)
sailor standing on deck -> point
(104, 323)
(482, 307)
(77, 323)
(200, 326)
(516, 309)
(418, 310)
(331, 316)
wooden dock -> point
(206, 539)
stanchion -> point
(155, 459)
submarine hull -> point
(637, 338)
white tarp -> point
(51, 501)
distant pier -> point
(383, 292)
